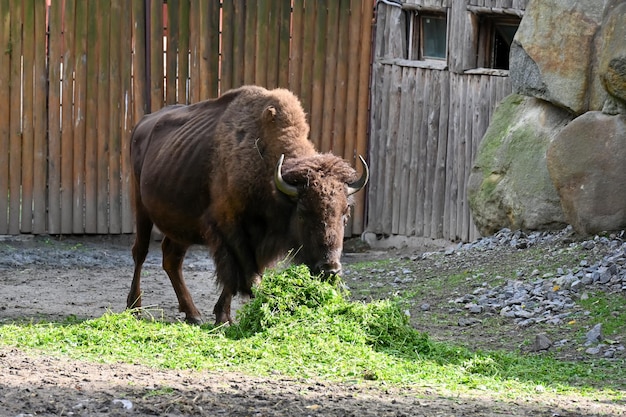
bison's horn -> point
(360, 183)
(281, 184)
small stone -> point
(595, 334)
(465, 322)
(425, 307)
(542, 342)
(588, 244)
(474, 308)
(594, 350)
(610, 353)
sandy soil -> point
(48, 278)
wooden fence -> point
(76, 75)
(427, 120)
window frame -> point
(415, 34)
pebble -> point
(542, 342)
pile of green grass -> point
(300, 326)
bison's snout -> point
(327, 269)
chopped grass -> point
(299, 326)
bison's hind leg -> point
(140, 251)
(173, 256)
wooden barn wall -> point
(75, 77)
(426, 124)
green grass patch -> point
(299, 326)
(608, 309)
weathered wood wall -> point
(427, 120)
(69, 109)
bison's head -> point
(319, 187)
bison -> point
(238, 175)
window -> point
(427, 36)
(495, 36)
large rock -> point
(586, 162)
(612, 57)
(510, 185)
(553, 50)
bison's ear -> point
(269, 114)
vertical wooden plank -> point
(238, 55)
(416, 199)
(451, 189)
(228, 47)
(57, 53)
(458, 157)
(214, 48)
(442, 148)
(26, 223)
(113, 143)
(40, 122)
(373, 189)
(341, 84)
(389, 154)
(249, 76)
(183, 53)
(195, 56)
(262, 43)
(297, 50)
(308, 52)
(171, 54)
(284, 40)
(405, 148)
(330, 75)
(156, 55)
(347, 115)
(431, 161)
(5, 91)
(91, 120)
(426, 152)
(396, 129)
(67, 137)
(126, 121)
(80, 116)
(272, 46)
(15, 135)
(464, 154)
(416, 101)
(16, 128)
(351, 61)
(104, 114)
(140, 90)
(319, 73)
(380, 106)
(364, 11)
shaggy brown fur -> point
(204, 174)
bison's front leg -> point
(222, 307)
(173, 256)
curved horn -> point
(282, 186)
(360, 183)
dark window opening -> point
(494, 41)
(427, 36)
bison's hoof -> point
(223, 319)
(197, 321)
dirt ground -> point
(50, 278)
